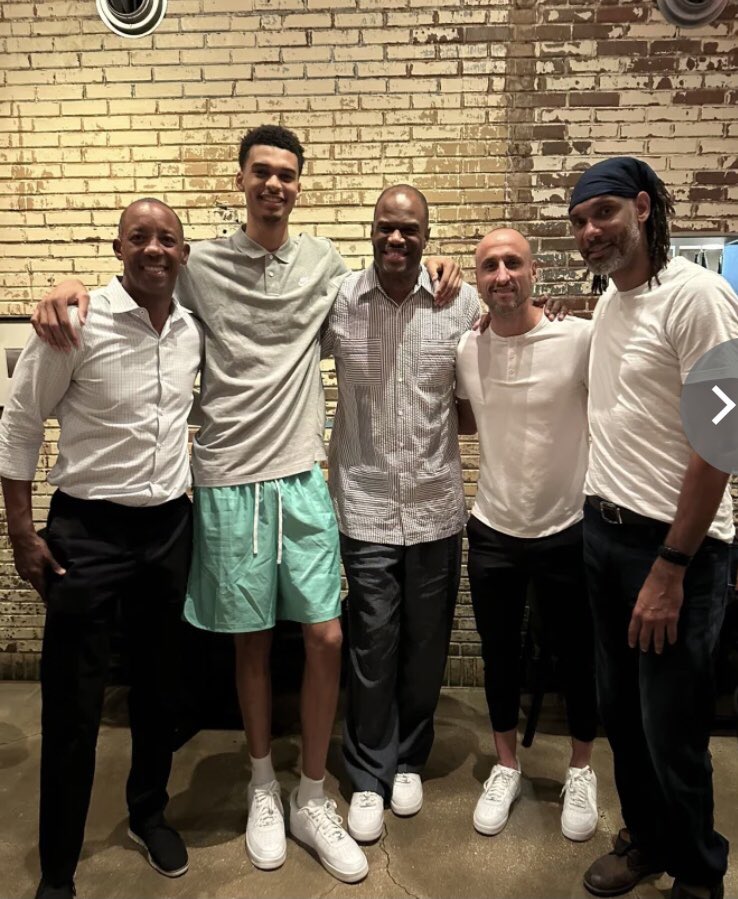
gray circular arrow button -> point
(709, 406)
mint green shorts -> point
(264, 552)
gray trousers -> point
(400, 610)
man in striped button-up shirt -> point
(395, 476)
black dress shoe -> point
(47, 891)
(681, 890)
(165, 848)
(620, 870)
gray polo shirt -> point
(395, 468)
(262, 396)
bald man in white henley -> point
(523, 382)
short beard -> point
(621, 255)
(505, 310)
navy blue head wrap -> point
(622, 176)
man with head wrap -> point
(657, 531)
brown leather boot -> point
(620, 870)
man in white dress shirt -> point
(119, 533)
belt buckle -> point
(610, 512)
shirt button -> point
(271, 274)
(399, 380)
(399, 412)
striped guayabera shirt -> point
(394, 463)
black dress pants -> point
(137, 559)
(400, 610)
(500, 567)
(658, 709)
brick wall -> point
(489, 107)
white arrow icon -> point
(729, 404)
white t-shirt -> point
(529, 396)
(644, 345)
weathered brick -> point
(699, 97)
(492, 109)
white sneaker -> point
(366, 816)
(407, 794)
(318, 827)
(579, 816)
(266, 843)
(500, 790)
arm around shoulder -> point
(50, 318)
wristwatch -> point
(675, 556)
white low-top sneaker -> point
(500, 790)
(366, 816)
(318, 827)
(407, 794)
(579, 816)
(266, 843)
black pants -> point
(400, 610)
(658, 709)
(500, 568)
(113, 554)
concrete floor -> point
(435, 854)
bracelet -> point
(675, 556)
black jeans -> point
(400, 610)
(113, 554)
(658, 709)
(500, 568)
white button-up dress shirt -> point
(122, 399)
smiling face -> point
(399, 235)
(609, 232)
(506, 271)
(270, 182)
(152, 248)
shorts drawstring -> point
(257, 499)
(256, 519)
(279, 525)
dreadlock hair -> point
(657, 228)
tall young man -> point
(523, 384)
(657, 532)
(119, 534)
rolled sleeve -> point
(41, 378)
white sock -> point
(310, 790)
(262, 771)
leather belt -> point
(614, 514)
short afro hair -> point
(272, 136)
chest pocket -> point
(360, 361)
(437, 362)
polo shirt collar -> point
(254, 250)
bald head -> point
(141, 205)
(509, 237)
(506, 273)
